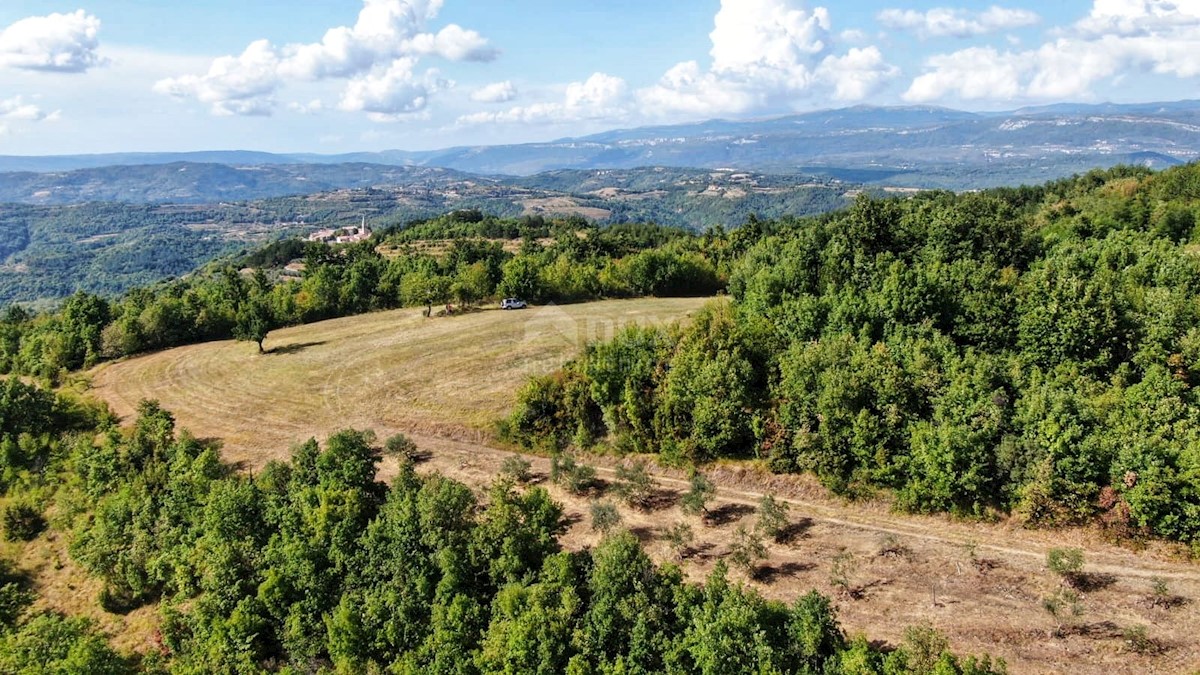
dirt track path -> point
(996, 610)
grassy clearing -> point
(389, 371)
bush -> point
(605, 516)
(517, 468)
(700, 491)
(635, 485)
(22, 522)
(1066, 563)
(401, 446)
(575, 478)
(772, 517)
(747, 549)
(680, 537)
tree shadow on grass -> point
(294, 348)
(1089, 582)
(728, 513)
(770, 573)
(795, 531)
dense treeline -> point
(314, 565)
(1034, 350)
(557, 261)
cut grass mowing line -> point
(389, 371)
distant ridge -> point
(918, 146)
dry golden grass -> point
(388, 371)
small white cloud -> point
(65, 43)
(16, 108)
(311, 108)
(959, 23)
(853, 35)
(497, 92)
(972, 74)
(377, 55)
(454, 43)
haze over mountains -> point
(901, 146)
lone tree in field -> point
(700, 492)
(253, 322)
(772, 517)
(634, 484)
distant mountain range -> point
(901, 146)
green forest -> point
(1031, 351)
(315, 566)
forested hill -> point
(49, 251)
(1032, 351)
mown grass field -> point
(388, 371)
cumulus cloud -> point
(768, 54)
(65, 43)
(16, 108)
(959, 23)
(233, 85)
(1117, 37)
(390, 94)
(601, 96)
(497, 92)
(378, 56)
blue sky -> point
(346, 75)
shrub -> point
(680, 537)
(401, 446)
(575, 478)
(516, 468)
(605, 516)
(1066, 563)
(635, 485)
(747, 549)
(700, 491)
(772, 517)
(22, 522)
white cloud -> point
(601, 96)
(1117, 38)
(959, 23)
(767, 55)
(311, 108)
(497, 92)
(65, 43)
(378, 56)
(858, 74)
(387, 94)
(16, 108)
(234, 85)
